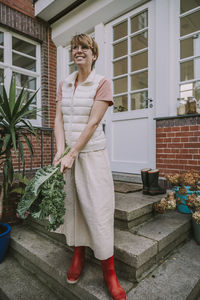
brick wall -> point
(178, 144)
(24, 6)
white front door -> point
(130, 127)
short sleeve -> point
(104, 91)
(59, 93)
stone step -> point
(139, 250)
(133, 208)
(178, 278)
(50, 261)
(16, 283)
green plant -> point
(14, 131)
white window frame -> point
(9, 68)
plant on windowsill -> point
(183, 185)
(14, 130)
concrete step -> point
(139, 250)
(50, 261)
(133, 208)
(16, 283)
(178, 278)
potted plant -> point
(183, 185)
(14, 133)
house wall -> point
(178, 144)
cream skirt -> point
(89, 218)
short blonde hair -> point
(86, 40)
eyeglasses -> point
(80, 48)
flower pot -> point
(183, 208)
(196, 231)
(4, 239)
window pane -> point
(1, 38)
(1, 54)
(187, 48)
(190, 23)
(120, 49)
(24, 47)
(139, 41)
(190, 90)
(187, 70)
(120, 30)
(72, 68)
(70, 56)
(139, 61)
(25, 81)
(188, 5)
(24, 62)
(1, 76)
(139, 81)
(138, 100)
(120, 103)
(120, 67)
(120, 85)
(139, 22)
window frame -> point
(9, 68)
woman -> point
(82, 100)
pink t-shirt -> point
(104, 91)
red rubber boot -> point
(110, 278)
(76, 267)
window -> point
(20, 56)
(190, 49)
(130, 63)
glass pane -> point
(120, 85)
(72, 68)
(139, 22)
(190, 23)
(139, 61)
(139, 41)
(190, 90)
(1, 75)
(120, 103)
(1, 54)
(1, 38)
(138, 100)
(24, 62)
(28, 96)
(70, 56)
(120, 30)
(24, 47)
(25, 81)
(139, 81)
(188, 5)
(120, 49)
(120, 67)
(187, 48)
(187, 70)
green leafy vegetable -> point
(44, 196)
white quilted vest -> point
(76, 107)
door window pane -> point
(139, 61)
(120, 30)
(190, 90)
(139, 81)
(24, 47)
(72, 68)
(187, 5)
(138, 100)
(1, 38)
(120, 103)
(139, 22)
(25, 81)
(186, 48)
(1, 54)
(190, 23)
(120, 67)
(140, 41)
(187, 70)
(120, 49)
(24, 62)
(1, 75)
(120, 85)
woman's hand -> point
(56, 159)
(67, 161)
